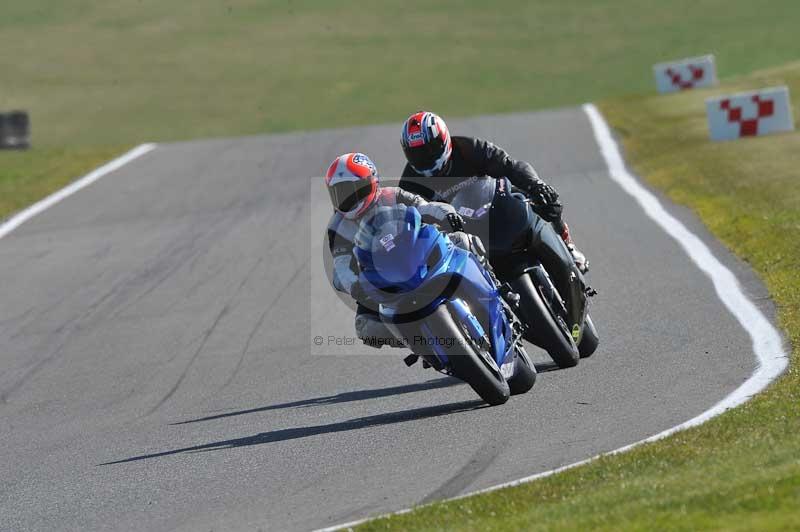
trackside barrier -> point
(14, 130)
(749, 114)
(686, 74)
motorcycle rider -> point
(354, 187)
(450, 162)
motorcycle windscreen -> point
(475, 198)
(499, 217)
(392, 248)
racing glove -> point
(543, 192)
(438, 213)
(456, 221)
(546, 202)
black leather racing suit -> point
(476, 157)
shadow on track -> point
(304, 432)
(343, 397)
(545, 367)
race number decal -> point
(387, 242)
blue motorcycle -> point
(439, 301)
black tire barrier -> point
(15, 130)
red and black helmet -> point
(352, 181)
(427, 144)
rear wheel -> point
(589, 339)
(546, 327)
(469, 360)
(524, 373)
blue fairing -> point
(479, 308)
(404, 263)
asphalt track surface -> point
(158, 372)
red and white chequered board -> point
(686, 74)
(749, 114)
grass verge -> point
(28, 176)
(96, 75)
(740, 471)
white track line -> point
(40, 206)
(767, 342)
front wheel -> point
(469, 360)
(524, 376)
(546, 328)
(589, 339)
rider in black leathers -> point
(439, 165)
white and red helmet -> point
(427, 143)
(352, 181)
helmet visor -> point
(424, 158)
(345, 195)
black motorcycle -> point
(515, 237)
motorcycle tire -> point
(468, 360)
(546, 328)
(589, 339)
(524, 376)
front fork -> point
(572, 308)
(565, 279)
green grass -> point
(27, 176)
(740, 471)
(97, 75)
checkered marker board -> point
(749, 114)
(686, 74)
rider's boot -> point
(373, 332)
